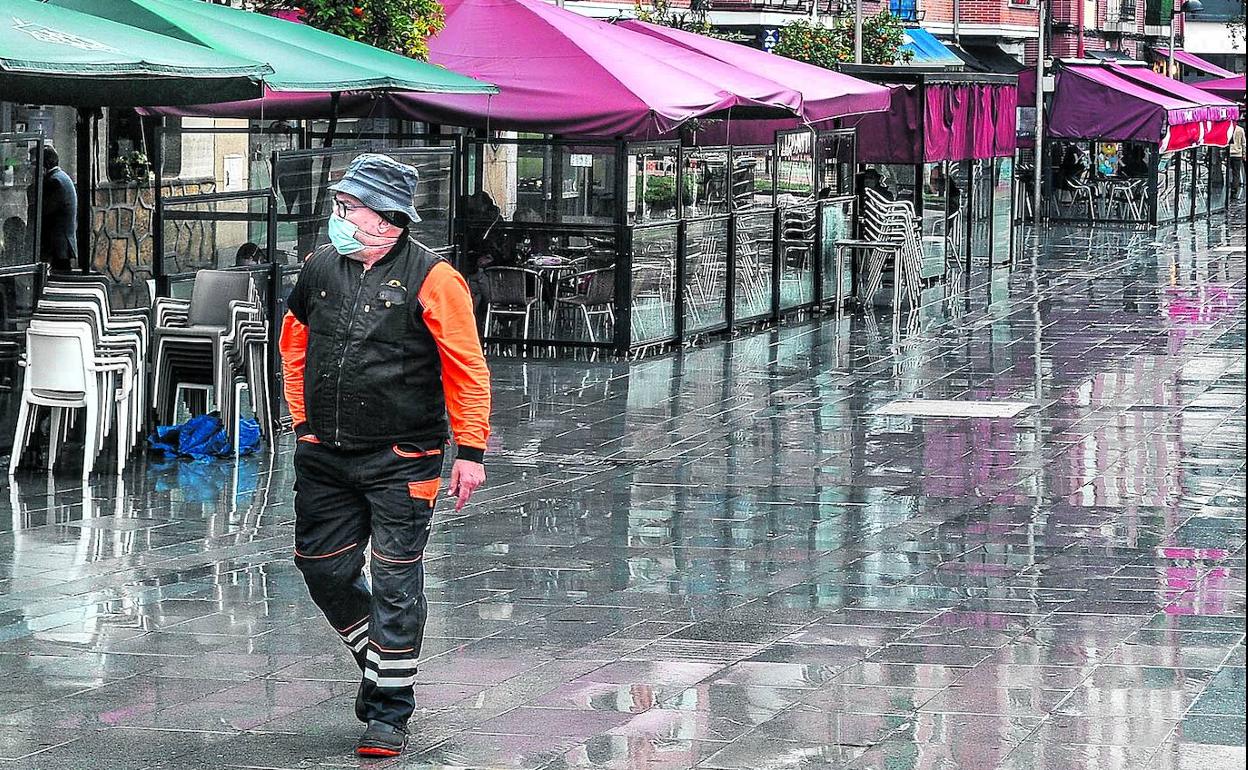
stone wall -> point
(121, 232)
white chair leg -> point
(123, 419)
(21, 435)
(90, 447)
(54, 435)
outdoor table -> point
(552, 269)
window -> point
(130, 142)
(906, 10)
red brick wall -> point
(988, 12)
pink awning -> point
(1195, 62)
(1215, 107)
(825, 94)
(1231, 89)
(562, 73)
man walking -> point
(1237, 159)
(379, 349)
(58, 234)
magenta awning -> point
(1213, 107)
(1231, 89)
(1195, 62)
(940, 121)
(562, 73)
(824, 94)
(1121, 103)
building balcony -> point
(1120, 16)
(802, 7)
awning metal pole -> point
(1039, 159)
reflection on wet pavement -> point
(730, 559)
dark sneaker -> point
(381, 740)
(360, 714)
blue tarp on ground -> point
(203, 437)
(927, 49)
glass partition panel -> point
(1217, 178)
(20, 202)
(837, 157)
(654, 284)
(302, 176)
(838, 222)
(586, 192)
(973, 183)
(652, 183)
(1201, 159)
(213, 232)
(706, 261)
(753, 177)
(896, 181)
(1072, 178)
(1167, 185)
(941, 212)
(752, 293)
(1002, 209)
(17, 304)
(1185, 180)
(706, 168)
(797, 252)
(1121, 180)
(548, 282)
(796, 181)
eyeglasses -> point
(344, 209)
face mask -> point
(342, 235)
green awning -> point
(51, 55)
(304, 59)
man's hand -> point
(466, 476)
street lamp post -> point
(1180, 8)
(857, 31)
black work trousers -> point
(381, 500)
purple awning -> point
(1196, 63)
(824, 94)
(1213, 107)
(562, 73)
(1095, 102)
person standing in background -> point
(1237, 159)
(58, 235)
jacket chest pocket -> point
(383, 313)
(324, 310)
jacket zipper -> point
(346, 344)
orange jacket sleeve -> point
(294, 347)
(465, 378)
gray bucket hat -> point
(381, 183)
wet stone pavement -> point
(730, 559)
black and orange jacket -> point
(386, 355)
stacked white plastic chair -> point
(82, 357)
(217, 342)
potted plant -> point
(9, 177)
(131, 166)
(660, 193)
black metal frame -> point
(36, 226)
